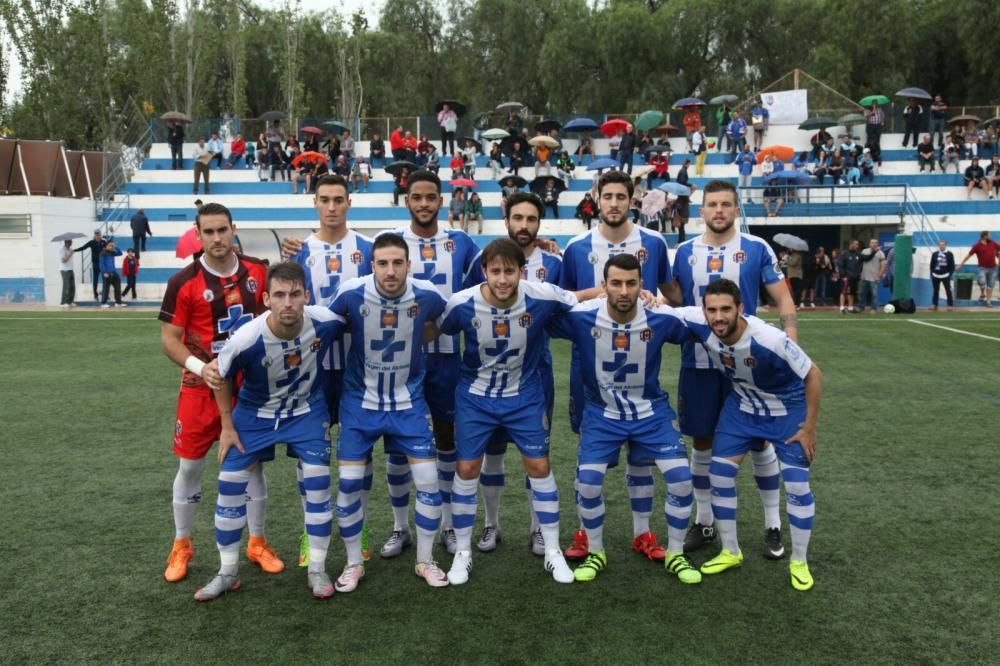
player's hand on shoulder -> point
(648, 298)
(227, 440)
(548, 244)
(290, 246)
(213, 378)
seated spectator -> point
(993, 175)
(496, 160)
(397, 144)
(251, 155)
(216, 147)
(542, 165)
(469, 153)
(456, 209)
(774, 194)
(312, 143)
(867, 166)
(989, 142)
(767, 166)
(376, 149)
(975, 178)
(262, 153)
(638, 193)
(925, 153)
(332, 146)
(457, 165)
(852, 172)
(801, 161)
(278, 161)
(645, 142)
(516, 158)
(292, 147)
(361, 171)
(433, 160)
(818, 142)
(341, 168)
(971, 142)
(661, 168)
(950, 155)
(237, 149)
(410, 146)
(586, 210)
(550, 197)
(586, 147)
(347, 146)
(424, 147)
(309, 172)
(474, 213)
(836, 167)
(822, 168)
(565, 167)
(400, 182)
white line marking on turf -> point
(112, 318)
(954, 330)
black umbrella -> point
(457, 107)
(398, 166)
(335, 127)
(512, 181)
(507, 145)
(478, 144)
(272, 115)
(819, 122)
(538, 184)
(548, 125)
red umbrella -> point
(783, 153)
(309, 129)
(311, 155)
(611, 127)
(463, 182)
(188, 244)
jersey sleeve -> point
(450, 320)
(663, 273)
(562, 301)
(567, 275)
(230, 357)
(797, 359)
(176, 305)
(553, 264)
(341, 301)
(770, 271)
(475, 275)
(560, 327)
(672, 322)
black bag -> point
(904, 305)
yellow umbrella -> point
(543, 141)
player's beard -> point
(616, 222)
(728, 331)
(501, 299)
(523, 238)
(720, 227)
(431, 217)
(624, 304)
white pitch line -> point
(112, 318)
(954, 330)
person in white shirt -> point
(202, 156)
(68, 278)
(216, 147)
(362, 171)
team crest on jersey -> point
(413, 311)
(208, 295)
(592, 258)
(715, 263)
(646, 334)
(251, 285)
(357, 258)
(750, 362)
(293, 360)
(739, 257)
(364, 310)
(595, 332)
(266, 361)
(501, 328)
(525, 320)
(692, 260)
(476, 323)
(333, 264)
(389, 318)
(428, 253)
(642, 255)
(621, 341)
(315, 345)
(541, 273)
(232, 297)
(311, 261)
(728, 361)
(449, 246)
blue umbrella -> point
(581, 125)
(918, 93)
(688, 101)
(675, 189)
(603, 163)
(790, 175)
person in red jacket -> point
(130, 269)
(396, 143)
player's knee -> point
(468, 469)
(536, 468)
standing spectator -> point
(347, 146)
(130, 269)
(823, 270)
(237, 150)
(586, 147)
(986, 251)
(469, 154)
(250, 152)
(274, 134)
(110, 274)
(793, 271)
(849, 268)
(401, 182)
(140, 229)
(96, 246)
(456, 209)
(975, 179)
(262, 157)
(724, 116)
(626, 150)
(175, 139)
(376, 149)
(993, 175)
(950, 155)
(397, 144)
(760, 118)
(496, 160)
(614, 142)
(692, 123)
(874, 120)
(550, 197)
(872, 272)
(361, 171)
(586, 210)
(942, 268)
(565, 167)
(66, 273)
(201, 156)
(738, 132)
(913, 116)
(836, 284)
(745, 163)
(448, 121)
(808, 297)
(925, 153)
(682, 207)
(474, 212)
(699, 147)
(938, 107)
(217, 148)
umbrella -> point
(647, 120)
(474, 140)
(272, 115)
(188, 243)
(463, 182)
(512, 181)
(783, 153)
(457, 107)
(176, 116)
(965, 118)
(819, 122)
(791, 242)
(873, 99)
(309, 129)
(675, 188)
(611, 127)
(507, 107)
(335, 127)
(915, 93)
(543, 140)
(723, 99)
(310, 156)
(507, 145)
(69, 235)
(850, 119)
(668, 129)
(641, 171)
(601, 164)
(581, 125)
(688, 102)
(398, 166)
(992, 121)
(789, 175)
(548, 125)
(653, 202)
(540, 182)
(495, 134)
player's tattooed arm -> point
(779, 292)
(789, 320)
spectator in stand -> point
(554, 135)
(970, 141)
(550, 197)
(586, 147)
(216, 147)
(852, 172)
(457, 166)
(993, 176)
(341, 168)
(542, 156)
(774, 193)
(682, 207)
(873, 267)
(401, 182)
(376, 149)
(110, 274)
(516, 157)
(311, 143)
(867, 166)
(469, 154)
(410, 145)
(332, 146)
(237, 150)
(950, 155)
(986, 250)
(496, 160)
(292, 148)
(760, 118)
(661, 168)
(274, 134)
(745, 162)
(514, 124)
(692, 123)
(738, 131)
(645, 143)
(311, 173)
(201, 157)
(874, 121)
(724, 116)
(975, 179)
(474, 213)
(262, 156)
(277, 161)
(626, 150)
(433, 161)
(822, 168)
(835, 169)
(818, 142)
(913, 120)
(938, 107)
(361, 173)
(347, 146)
(397, 144)
(614, 142)
(699, 146)
(140, 229)
(456, 209)
(925, 154)
(848, 146)
(849, 267)
(424, 148)
(506, 191)
(130, 269)
(586, 210)
(67, 275)
(942, 268)
(448, 120)
(565, 167)
(250, 154)
(989, 142)
(635, 204)
(175, 139)
(822, 268)
(767, 166)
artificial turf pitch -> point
(904, 550)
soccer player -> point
(280, 401)
(619, 345)
(776, 391)
(331, 256)
(384, 397)
(583, 264)
(722, 251)
(204, 304)
(500, 392)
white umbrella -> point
(653, 202)
(69, 235)
(791, 242)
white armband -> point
(195, 365)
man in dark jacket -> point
(942, 268)
(140, 229)
(96, 246)
(110, 274)
(175, 139)
(849, 267)
(626, 149)
(913, 118)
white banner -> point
(787, 107)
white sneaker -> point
(460, 568)
(537, 543)
(556, 563)
(121, 305)
(431, 573)
(350, 577)
(105, 306)
(64, 305)
(319, 583)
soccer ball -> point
(889, 308)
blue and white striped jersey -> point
(586, 254)
(620, 363)
(444, 260)
(279, 376)
(385, 365)
(746, 260)
(766, 368)
(540, 266)
(327, 266)
(504, 348)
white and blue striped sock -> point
(318, 513)
(463, 510)
(302, 488)
(492, 480)
(366, 484)
(427, 514)
(590, 499)
(398, 479)
(231, 517)
(545, 507)
(700, 462)
(801, 507)
(677, 507)
(531, 509)
(350, 518)
(639, 481)
(765, 473)
(446, 461)
(722, 474)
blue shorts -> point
(405, 432)
(307, 437)
(701, 393)
(739, 432)
(499, 442)
(520, 418)
(648, 439)
(440, 380)
(333, 387)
